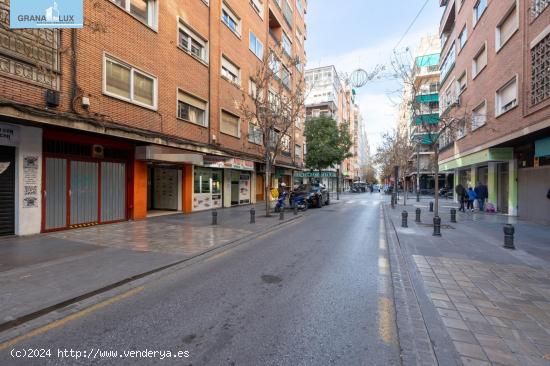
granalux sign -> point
(46, 14)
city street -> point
(316, 292)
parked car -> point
(376, 188)
(316, 194)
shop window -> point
(230, 124)
(192, 109)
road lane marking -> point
(70, 318)
(385, 320)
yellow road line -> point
(70, 318)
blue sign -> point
(46, 14)
(542, 147)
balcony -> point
(275, 29)
(428, 118)
(448, 19)
(428, 97)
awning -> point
(167, 155)
(428, 60)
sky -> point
(352, 34)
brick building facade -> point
(136, 113)
(495, 76)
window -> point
(461, 83)
(298, 123)
(540, 75)
(479, 61)
(258, 6)
(287, 45)
(537, 7)
(143, 10)
(506, 29)
(448, 63)
(287, 13)
(507, 97)
(298, 151)
(193, 43)
(460, 129)
(285, 145)
(274, 64)
(230, 71)
(191, 109)
(463, 37)
(479, 9)
(230, 124)
(286, 77)
(256, 46)
(231, 19)
(300, 7)
(125, 82)
(252, 89)
(254, 134)
(479, 115)
(299, 36)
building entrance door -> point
(502, 187)
(7, 190)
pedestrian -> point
(461, 194)
(471, 198)
(481, 194)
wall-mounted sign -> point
(324, 174)
(228, 163)
(46, 14)
(30, 181)
(9, 135)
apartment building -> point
(135, 114)
(425, 113)
(328, 95)
(495, 78)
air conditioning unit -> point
(52, 98)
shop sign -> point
(542, 147)
(228, 163)
(46, 14)
(324, 174)
(30, 181)
(9, 135)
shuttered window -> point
(479, 115)
(507, 97)
(192, 109)
(507, 27)
(479, 62)
(230, 124)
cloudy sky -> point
(355, 34)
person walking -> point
(461, 194)
(481, 194)
(471, 198)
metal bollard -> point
(437, 226)
(393, 200)
(431, 207)
(509, 236)
(214, 217)
(404, 216)
(453, 215)
(252, 216)
(295, 210)
(418, 212)
(282, 214)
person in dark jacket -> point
(482, 194)
(461, 194)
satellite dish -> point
(359, 78)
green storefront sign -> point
(494, 154)
(324, 174)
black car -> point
(315, 194)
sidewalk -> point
(493, 304)
(43, 271)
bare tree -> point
(273, 103)
(394, 150)
(453, 121)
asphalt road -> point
(317, 292)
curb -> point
(421, 333)
(9, 325)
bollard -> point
(404, 216)
(431, 207)
(453, 215)
(437, 226)
(392, 202)
(214, 217)
(252, 216)
(282, 214)
(418, 211)
(295, 209)
(417, 196)
(509, 236)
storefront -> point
(207, 188)
(236, 177)
(164, 187)
(85, 180)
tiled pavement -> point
(494, 304)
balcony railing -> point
(537, 7)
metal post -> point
(437, 226)
(295, 209)
(252, 216)
(417, 171)
(418, 212)
(431, 207)
(214, 217)
(509, 236)
(338, 183)
(404, 216)
(396, 183)
(282, 214)
(393, 200)
(453, 215)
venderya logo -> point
(46, 14)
